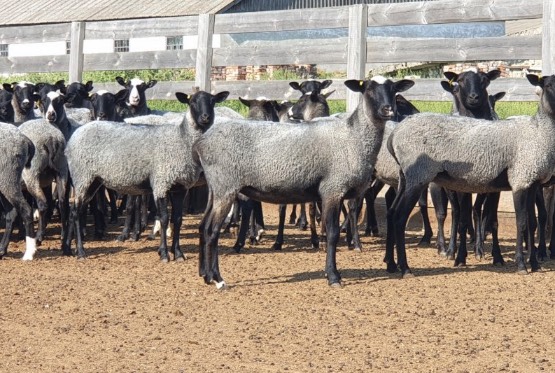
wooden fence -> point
(354, 52)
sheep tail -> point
(390, 148)
(30, 153)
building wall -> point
(263, 5)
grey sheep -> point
(329, 160)
(17, 151)
(140, 159)
(475, 156)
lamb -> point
(135, 101)
(475, 156)
(141, 159)
(17, 151)
(23, 100)
(330, 160)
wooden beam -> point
(76, 56)
(356, 55)
(204, 51)
(548, 39)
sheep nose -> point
(204, 118)
(51, 116)
(26, 104)
(387, 110)
(101, 116)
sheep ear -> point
(120, 80)
(151, 83)
(328, 94)
(245, 102)
(182, 97)
(89, 86)
(296, 86)
(325, 84)
(60, 83)
(403, 85)
(498, 96)
(448, 86)
(121, 95)
(493, 74)
(220, 97)
(535, 80)
(8, 87)
(451, 76)
(35, 98)
(355, 85)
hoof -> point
(67, 253)
(180, 259)
(121, 238)
(407, 274)
(336, 285)
(276, 246)
(499, 263)
(357, 249)
(221, 286)
(460, 263)
(237, 248)
(392, 268)
(424, 242)
(81, 258)
(522, 272)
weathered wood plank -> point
(204, 51)
(390, 50)
(358, 23)
(548, 41)
(140, 60)
(126, 29)
(35, 34)
(41, 64)
(76, 56)
(452, 11)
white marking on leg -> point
(30, 248)
(157, 227)
(220, 285)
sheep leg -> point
(480, 210)
(354, 242)
(389, 258)
(465, 222)
(302, 222)
(520, 203)
(282, 210)
(330, 218)
(312, 210)
(246, 211)
(258, 217)
(293, 216)
(145, 199)
(423, 205)
(533, 224)
(407, 199)
(35, 190)
(112, 196)
(78, 210)
(10, 216)
(203, 260)
(549, 197)
(177, 200)
(22, 208)
(371, 227)
(439, 200)
(137, 218)
(493, 206)
(162, 209)
(62, 190)
(212, 226)
(542, 222)
(129, 213)
(455, 220)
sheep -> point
(141, 159)
(23, 100)
(17, 152)
(474, 156)
(329, 160)
(78, 95)
(104, 105)
(7, 114)
(135, 101)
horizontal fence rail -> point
(228, 50)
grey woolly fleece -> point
(387, 169)
(16, 150)
(473, 155)
(291, 163)
(133, 158)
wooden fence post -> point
(548, 39)
(76, 51)
(356, 57)
(204, 51)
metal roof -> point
(22, 12)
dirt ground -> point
(121, 310)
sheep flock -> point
(70, 151)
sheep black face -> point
(469, 87)
(6, 112)
(311, 105)
(54, 104)
(201, 107)
(261, 109)
(379, 95)
(136, 88)
(77, 93)
(547, 94)
(24, 96)
(310, 86)
(105, 104)
(42, 89)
